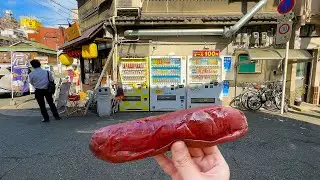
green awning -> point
(28, 46)
(26, 49)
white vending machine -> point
(205, 83)
(167, 83)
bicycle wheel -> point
(277, 101)
(245, 96)
(254, 103)
(235, 102)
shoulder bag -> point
(51, 85)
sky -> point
(50, 13)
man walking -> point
(39, 79)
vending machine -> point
(205, 83)
(134, 78)
(167, 83)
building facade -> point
(51, 37)
(178, 27)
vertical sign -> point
(284, 27)
(225, 88)
(20, 69)
(227, 64)
(284, 31)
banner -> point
(206, 53)
(20, 69)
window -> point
(300, 71)
(248, 67)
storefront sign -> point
(75, 53)
(90, 51)
(73, 32)
(42, 59)
(206, 53)
(30, 23)
(65, 59)
(20, 68)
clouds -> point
(12, 2)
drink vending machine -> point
(134, 78)
(204, 81)
(167, 83)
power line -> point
(63, 6)
(73, 3)
(49, 8)
(61, 10)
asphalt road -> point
(275, 148)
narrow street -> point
(275, 148)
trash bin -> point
(104, 98)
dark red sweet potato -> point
(198, 127)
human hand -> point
(194, 163)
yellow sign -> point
(90, 51)
(73, 32)
(65, 59)
(158, 91)
(31, 23)
(206, 53)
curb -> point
(17, 103)
(299, 108)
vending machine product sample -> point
(204, 81)
(167, 83)
(134, 78)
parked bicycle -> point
(256, 95)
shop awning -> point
(295, 55)
(86, 36)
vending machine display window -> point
(204, 81)
(134, 77)
(167, 81)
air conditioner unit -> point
(129, 8)
(255, 38)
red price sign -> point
(206, 53)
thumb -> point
(183, 162)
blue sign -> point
(286, 6)
(225, 88)
(227, 64)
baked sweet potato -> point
(146, 137)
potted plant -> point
(298, 95)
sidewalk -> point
(306, 112)
(25, 106)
